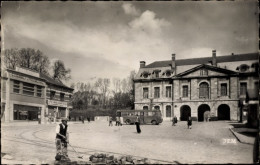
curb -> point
(240, 137)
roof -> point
(204, 60)
(53, 81)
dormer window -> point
(243, 68)
(156, 73)
(145, 74)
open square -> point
(206, 142)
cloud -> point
(130, 9)
(148, 22)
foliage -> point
(60, 72)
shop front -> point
(22, 112)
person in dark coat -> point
(189, 122)
(174, 120)
(137, 123)
(82, 119)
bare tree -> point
(103, 86)
(60, 72)
(11, 58)
(117, 85)
(28, 58)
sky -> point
(109, 39)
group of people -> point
(119, 121)
(189, 121)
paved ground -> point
(210, 142)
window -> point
(168, 73)
(203, 72)
(39, 91)
(70, 96)
(156, 92)
(52, 95)
(157, 107)
(28, 89)
(223, 89)
(145, 107)
(243, 88)
(204, 90)
(244, 67)
(16, 87)
(145, 93)
(62, 96)
(185, 91)
(169, 91)
(157, 74)
(168, 111)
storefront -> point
(22, 112)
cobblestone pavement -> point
(206, 142)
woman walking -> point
(137, 123)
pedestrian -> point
(137, 123)
(88, 119)
(121, 120)
(62, 138)
(82, 118)
(174, 120)
(110, 121)
(189, 122)
(117, 121)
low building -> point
(214, 86)
(25, 95)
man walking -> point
(137, 123)
(62, 138)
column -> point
(42, 109)
(67, 112)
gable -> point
(206, 70)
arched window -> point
(145, 107)
(204, 90)
(157, 107)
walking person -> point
(189, 122)
(62, 138)
(110, 121)
(82, 118)
(88, 119)
(121, 120)
(117, 121)
(137, 123)
(174, 121)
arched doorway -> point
(168, 111)
(223, 112)
(185, 112)
(203, 110)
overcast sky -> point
(109, 39)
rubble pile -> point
(111, 159)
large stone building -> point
(214, 85)
(29, 95)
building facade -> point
(25, 95)
(215, 86)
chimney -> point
(142, 64)
(214, 58)
(173, 62)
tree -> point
(60, 72)
(103, 86)
(11, 58)
(27, 58)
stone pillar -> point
(42, 109)
(67, 112)
(11, 111)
